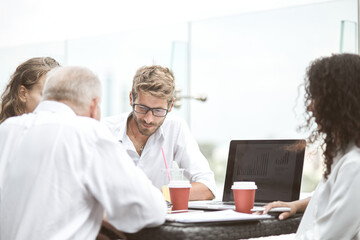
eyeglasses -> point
(157, 112)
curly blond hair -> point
(157, 80)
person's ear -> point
(131, 99)
(22, 93)
(172, 104)
(94, 109)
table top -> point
(219, 230)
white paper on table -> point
(214, 216)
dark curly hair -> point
(27, 74)
(332, 100)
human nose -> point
(149, 117)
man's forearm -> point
(200, 191)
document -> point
(214, 216)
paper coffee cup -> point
(244, 196)
(179, 194)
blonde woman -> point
(24, 90)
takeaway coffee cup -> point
(175, 174)
(244, 196)
(179, 194)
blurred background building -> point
(239, 65)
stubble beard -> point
(146, 132)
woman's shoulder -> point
(352, 155)
(349, 162)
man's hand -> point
(199, 191)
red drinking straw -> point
(167, 169)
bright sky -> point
(30, 21)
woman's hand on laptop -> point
(295, 206)
(284, 215)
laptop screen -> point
(275, 166)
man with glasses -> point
(150, 140)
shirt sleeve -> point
(341, 219)
(189, 157)
(130, 201)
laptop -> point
(274, 165)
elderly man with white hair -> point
(62, 169)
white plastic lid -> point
(244, 185)
(179, 184)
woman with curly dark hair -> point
(332, 100)
(24, 90)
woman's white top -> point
(334, 209)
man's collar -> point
(123, 128)
(54, 106)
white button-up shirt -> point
(334, 210)
(179, 145)
(59, 172)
